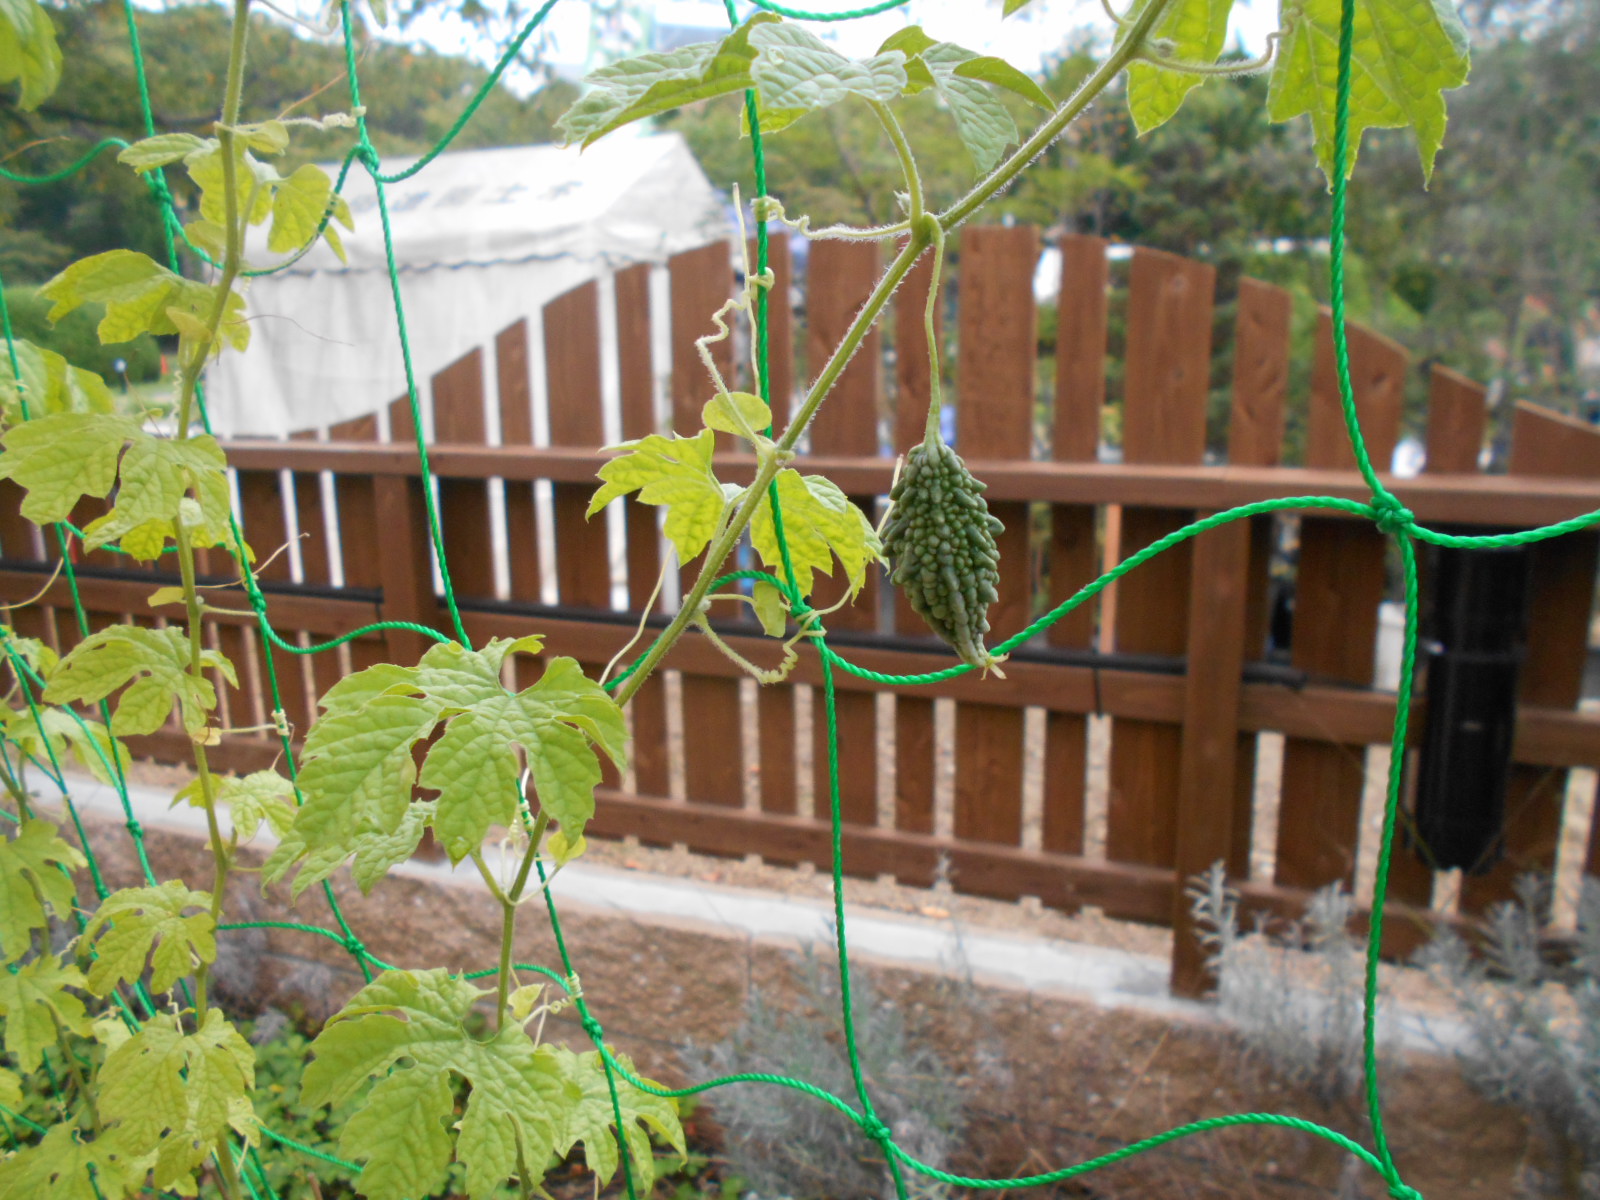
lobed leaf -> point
(34, 884)
(674, 472)
(1196, 30)
(136, 924)
(155, 476)
(298, 206)
(591, 1122)
(819, 523)
(726, 410)
(250, 800)
(61, 458)
(34, 999)
(64, 733)
(407, 1029)
(48, 384)
(1406, 54)
(61, 1166)
(179, 1095)
(152, 665)
(140, 296)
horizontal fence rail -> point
(1146, 736)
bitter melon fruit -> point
(939, 543)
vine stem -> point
(1137, 32)
(233, 262)
(508, 916)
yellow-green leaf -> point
(250, 800)
(1196, 31)
(407, 1028)
(34, 884)
(29, 52)
(150, 922)
(61, 458)
(674, 472)
(591, 1122)
(771, 609)
(180, 1094)
(298, 208)
(819, 523)
(34, 999)
(152, 665)
(735, 412)
(49, 384)
(1406, 55)
(62, 1166)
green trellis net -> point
(1383, 508)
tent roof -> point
(518, 203)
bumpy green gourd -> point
(939, 542)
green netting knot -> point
(367, 153)
(135, 830)
(1390, 515)
(1404, 1191)
(875, 1129)
(355, 948)
(593, 1029)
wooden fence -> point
(1175, 663)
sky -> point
(1023, 39)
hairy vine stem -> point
(1136, 33)
(233, 263)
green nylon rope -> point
(1384, 509)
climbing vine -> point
(164, 1103)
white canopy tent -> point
(482, 238)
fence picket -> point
(1074, 541)
(513, 390)
(1164, 412)
(841, 277)
(994, 420)
(1339, 584)
(1561, 597)
(636, 377)
(913, 714)
(701, 281)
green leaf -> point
(50, 384)
(408, 1027)
(269, 137)
(33, 883)
(140, 296)
(153, 665)
(60, 459)
(298, 208)
(725, 410)
(33, 999)
(10, 1089)
(205, 165)
(477, 771)
(155, 476)
(150, 922)
(1001, 74)
(591, 1122)
(819, 522)
(563, 848)
(250, 800)
(1406, 54)
(675, 472)
(355, 781)
(649, 84)
(358, 766)
(160, 151)
(60, 1166)
(771, 609)
(28, 51)
(796, 72)
(1012, 6)
(95, 750)
(1197, 30)
(180, 1094)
